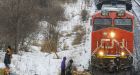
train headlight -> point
(121, 13)
(112, 34)
(104, 13)
(101, 53)
(105, 33)
(122, 53)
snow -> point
(44, 64)
(36, 62)
(31, 63)
(2, 59)
(2, 65)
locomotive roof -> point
(114, 7)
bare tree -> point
(55, 13)
(19, 18)
(19, 21)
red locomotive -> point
(112, 39)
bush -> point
(77, 28)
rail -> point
(138, 2)
(135, 11)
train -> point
(112, 39)
(127, 3)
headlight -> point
(121, 13)
(101, 53)
(112, 34)
(104, 13)
(122, 53)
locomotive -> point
(127, 3)
(112, 39)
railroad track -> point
(138, 2)
(136, 10)
(103, 72)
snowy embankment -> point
(136, 10)
(31, 63)
(38, 63)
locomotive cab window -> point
(125, 24)
(100, 23)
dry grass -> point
(49, 46)
(79, 35)
(68, 35)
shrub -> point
(79, 36)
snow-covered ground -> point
(38, 63)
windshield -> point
(102, 21)
(123, 22)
